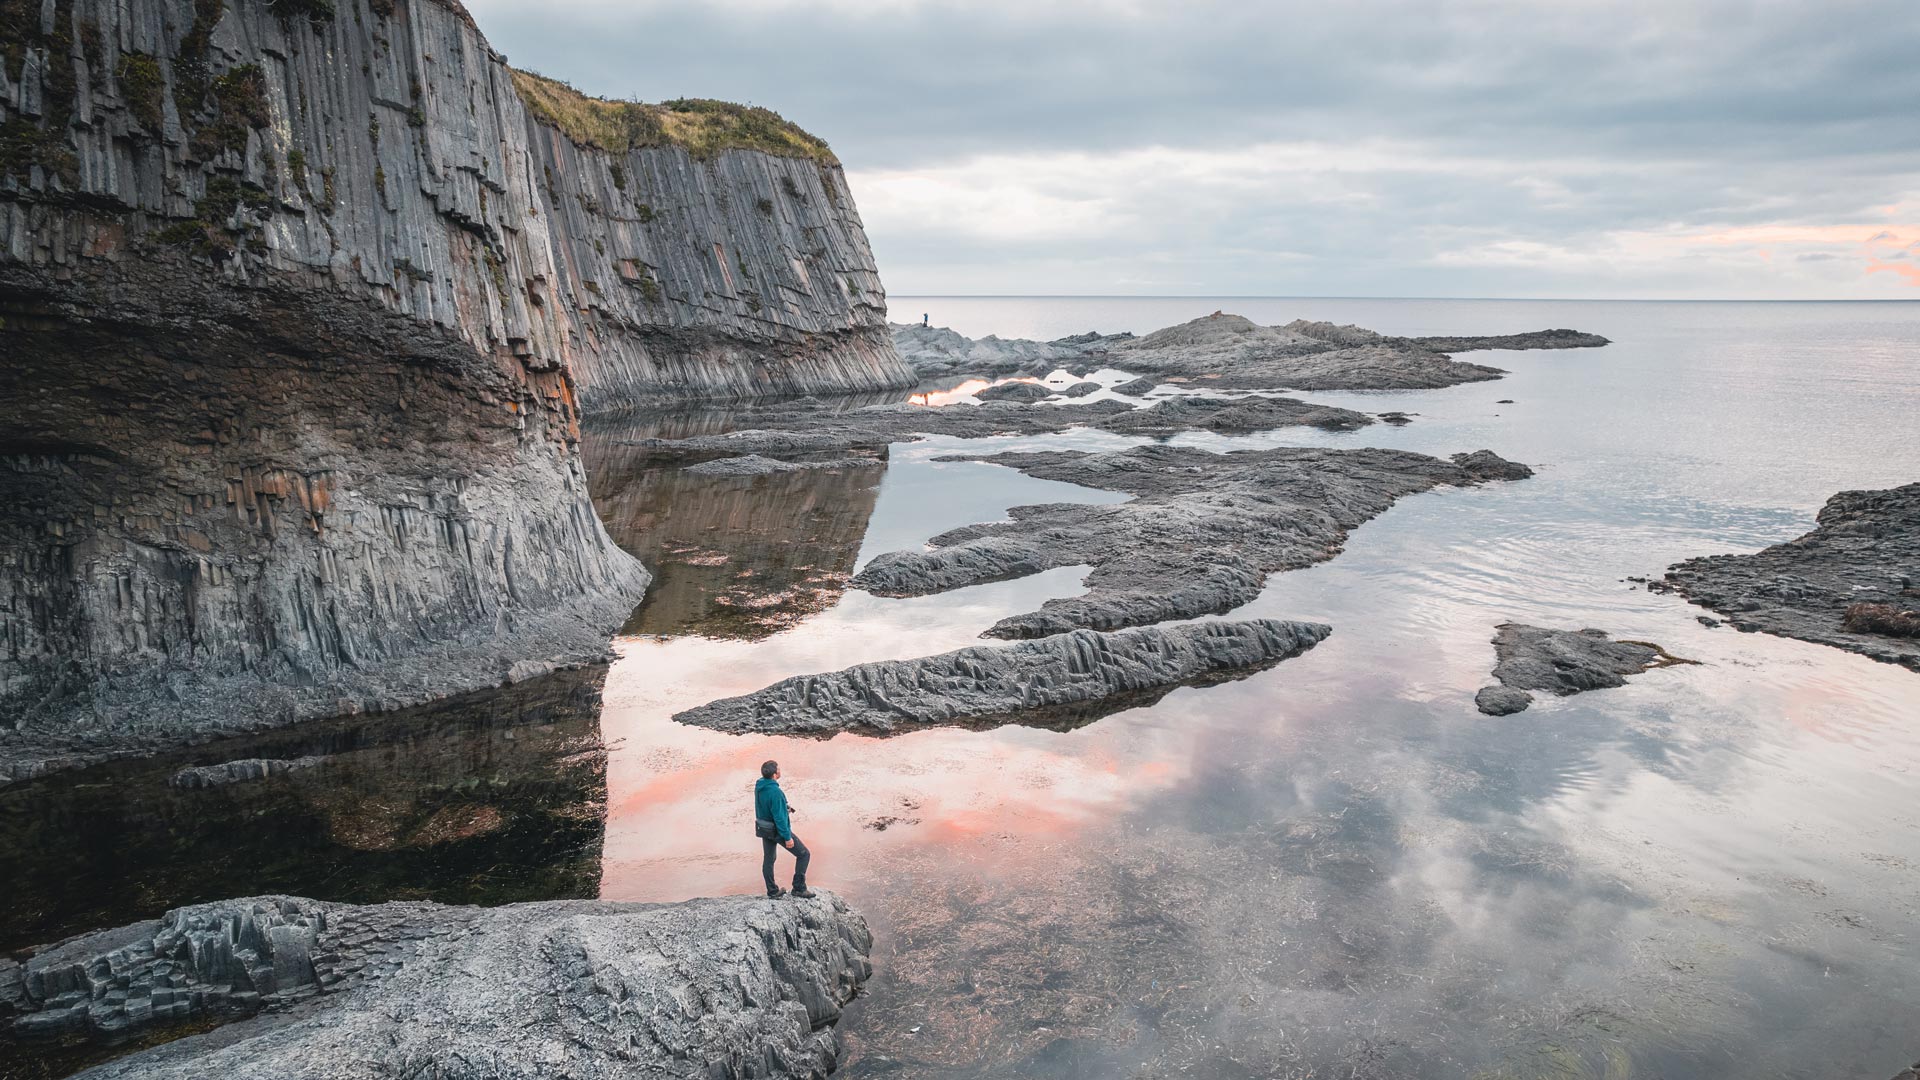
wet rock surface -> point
(1200, 537)
(1562, 662)
(1230, 351)
(1852, 583)
(732, 986)
(1059, 681)
(802, 428)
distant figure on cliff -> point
(771, 825)
(923, 322)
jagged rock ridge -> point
(1060, 681)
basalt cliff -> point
(300, 305)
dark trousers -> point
(800, 857)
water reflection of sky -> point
(1338, 867)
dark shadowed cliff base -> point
(300, 307)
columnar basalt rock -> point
(299, 308)
(723, 987)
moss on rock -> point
(702, 127)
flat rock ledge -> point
(788, 430)
(1199, 537)
(1852, 583)
(1563, 662)
(725, 987)
(1059, 682)
(1232, 351)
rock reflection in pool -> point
(732, 556)
(488, 798)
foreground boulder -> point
(1199, 537)
(726, 987)
(1563, 662)
(1852, 583)
(1061, 681)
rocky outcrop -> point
(936, 352)
(1852, 583)
(1199, 537)
(1230, 351)
(1059, 682)
(301, 303)
(1025, 392)
(1537, 339)
(242, 771)
(804, 427)
(722, 987)
(1562, 662)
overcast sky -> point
(1389, 148)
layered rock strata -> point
(1199, 537)
(724, 987)
(300, 304)
(1230, 351)
(1852, 583)
(1062, 681)
(1562, 662)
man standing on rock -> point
(775, 830)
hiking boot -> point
(801, 892)
(776, 894)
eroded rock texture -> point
(1846, 584)
(729, 987)
(1200, 536)
(299, 305)
(1562, 662)
(1061, 681)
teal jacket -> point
(770, 804)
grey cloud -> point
(1635, 115)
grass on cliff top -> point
(702, 127)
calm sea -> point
(1334, 868)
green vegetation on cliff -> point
(703, 128)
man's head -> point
(770, 770)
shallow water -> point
(1336, 867)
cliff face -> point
(301, 305)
